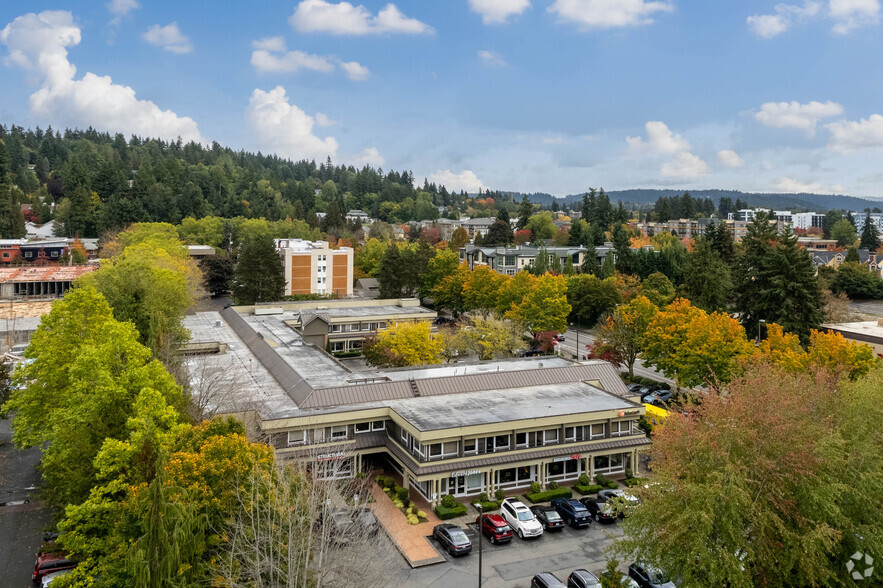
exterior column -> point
(591, 464)
(541, 474)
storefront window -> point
(607, 464)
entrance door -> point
(459, 485)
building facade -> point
(807, 220)
(312, 267)
(511, 260)
(477, 226)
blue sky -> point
(529, 95)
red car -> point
(495, 528)
(50, 562)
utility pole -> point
(480, 542)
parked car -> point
(583, 579)
(560, 338)
(520, 518)
(599, 509)
(47, 579)
(48, 563)
(630, 582)
(572, 511)
(658, 397)
(452, 538)
(495, 528)
(619, 500)
(649, 577)
(533, 352)
(546, 580)
(548, 517)
(634, 388)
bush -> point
(445, 513)
(448, 501)
(385, 482)
(629, 473)
(398, 503)
(413, 520)
(553, 485)
(487, 506)
(601, 480)
(584, 489)
(549, 495)
(483, 497)
(630, 482)
(402, 493)
(536, 487)
(500, 495)
(421, 514)
(584, 480)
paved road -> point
(22, 519)
(513, 565)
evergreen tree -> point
(852, 255)
(568, 270)
(503, 215)
(590, 263)
(499, 233)
(525, 209)
(625, 257)
(555, 264)
(259, 275)
(389, 276)
(608, 268)
(217, 273)
(721, 240)
(707, 278)
(541, 265)
(870, 239)
(776, 281)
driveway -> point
(514, 564)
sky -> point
(527, 95)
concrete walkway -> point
(411, 540)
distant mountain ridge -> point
(801, 201)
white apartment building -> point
(312, 267)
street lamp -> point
(480, 542)
(759, 322)
(576, 330)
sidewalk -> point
(411, 540)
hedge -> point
(636, 482)
(549, 495)
(450, 513)
(590, 489)
(487, 506)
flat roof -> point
(505, 404)
(359, 311)
(871, 330)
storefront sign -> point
(330, 456)
(629, 412)
(572, 457)
(466, 473)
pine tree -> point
(707, 278)
(590, 263)
(389, 276)
(525, 209)
(541, 265)
(555, 264)
(259, 275)
(870, 239)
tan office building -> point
(312, 267)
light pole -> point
(480, 542)
(759, 322)
(576, 330)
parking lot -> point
(514, 564)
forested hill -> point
(814, 202)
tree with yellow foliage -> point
(403, 344)
(482, 289)
(544, 307)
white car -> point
(47, 579)
(520, 518)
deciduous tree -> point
(403, 344)
(624, 331)
(544, 307)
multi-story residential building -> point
(312, 267)
(807, 220)
(510, 260)
(818, 244)
(835, 258)
(747, 214)
(358, 215)
(9, 249)
(458, 430)
(477, 226)
(876, 219)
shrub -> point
(601, 479)
(483, 497)
(549, 495)
(361, 475)
(398, 503)
(445, 513)
(500, 495)
(487, 506)
(421, 514)
(584, 480)
(402, 493)
(448, 501)
(535, 487)
(413, 520)
(636, 482)
(629, 473)
(385, 482)
(553, 485)
(584, 489)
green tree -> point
(218, 272)
(368, 257)
(844, 232)
(258, 275)
(545, 306)
(870, 238)
(525, 210)
(659, 289)
(623, 333)
(481, 291)
(542, 226)
(590, 263)
(707, 278)
(445, 263)
(499, 234)
(857, 281)
(591, 297)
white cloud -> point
(465, 180)
(355, 70)
(498, 11)
(851, 14)
(605, 14)
(322, 120)
(370, 156)
(848, 135)
(492, 58)
(120, 8)
(790, 185)
(795, 115)
(319, 16)
(169, 38)
(285, 129)
(271, 56)
(660, 139)
(770, 25)
(37, 43)
(685, 165)
(730, 158)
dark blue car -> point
(572, 511)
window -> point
(470, 447)
(435, 450)
(366, 326)
(336, 328)
(620, 428)
(338, 346)
(550, 436)
(570, 433)
(520, 439)
(406, 438)
(378, 425)
(363, 427)
(297, 437)
(596, 431)
(54, 254)
(509, 260)
(498, 443)
(338, 432)
(319, 436)
(610, 463)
